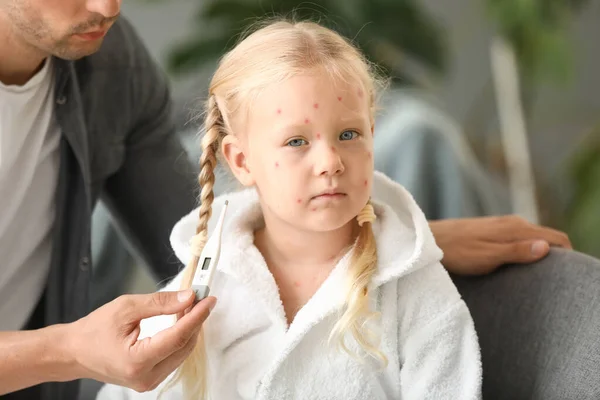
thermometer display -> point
(202, 280)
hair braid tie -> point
(367, 214)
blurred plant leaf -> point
(188, 55)
(583, 224)
(413, 33)
(373, 24)
(537, 31)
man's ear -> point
(233, 152)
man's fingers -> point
(172, 339)
(553, 237)
(518, 229)
(141, 306)
(520, 252)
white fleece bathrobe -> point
(426, 330)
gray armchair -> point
(539, 328)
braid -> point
(193, 372)
(363, 266)
(208, 162)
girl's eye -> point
(348, 135)
(296, 142)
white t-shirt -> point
(29, 163)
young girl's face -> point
(308, 148)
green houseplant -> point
(396, 34)
(583, 216)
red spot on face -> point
(316, 105)
(314, 209)
(299, 201)
(306, 120)
(366, 182)
(339, 98)
(296, 283)
(333, 148)
(318, 136)
(360, 93)
(369, 154)
(276, 164)
(279, 111)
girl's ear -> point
(236, 159)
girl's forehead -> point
(306, 103)
(313, 93)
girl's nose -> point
(328, 161)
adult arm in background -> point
(478, 246)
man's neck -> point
(20, 61)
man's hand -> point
(106, 347)
(477, 246)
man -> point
(85, 115)
(71, 132)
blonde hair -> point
(278, 51)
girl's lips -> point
(330, 196)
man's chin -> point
(80, 50)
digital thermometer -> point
(208, 260)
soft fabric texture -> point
(29, 164)
(539, 328)
(426, 329)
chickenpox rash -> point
(296, 283)
(306, 120)
(318, 136)
(366, 182)
(276, 164)
(299, 201)
(333, 148)
(360, 92)
(316, 105)
(339, 98)
(314, 209)
(279, 111)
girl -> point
(322, 293)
